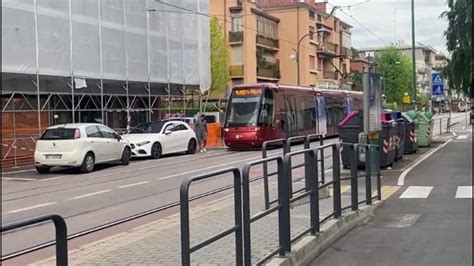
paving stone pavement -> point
(158, 243)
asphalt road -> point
(113, 192)
(427, 222)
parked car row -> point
(85, 145)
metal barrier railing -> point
(61, 233)
(285, 198)
(186, 248)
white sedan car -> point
(79, 145)
(153, 139)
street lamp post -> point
(298, 56)
(413, 51)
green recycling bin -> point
(424, 132)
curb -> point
(310, 247)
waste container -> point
(410, 144)
(349, 129)
(399, 140)
(424, 129)
(386, 140)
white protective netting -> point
(110, 39)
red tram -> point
(265, 111)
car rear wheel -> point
(43, 169)
(191, 147)
(156, 151)
(126, 156)
(88, 163)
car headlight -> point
(139, 144)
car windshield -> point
(147, 127)
(243, 107)
(58, 133)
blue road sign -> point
(437, 85)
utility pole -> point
(413, 51)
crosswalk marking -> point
(464, 192)
(416, 192)
(462, 137)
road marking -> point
(18, 179)
(416, 192)
(32, 207)
(454, 133)
(401, 178)
(388, 191)
(462, 137)
(134, 184)
(464, 192)
(91, 194)
(403, 220)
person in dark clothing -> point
(201, 132)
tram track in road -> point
(138, 201)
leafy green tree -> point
(459, 43)
(219, 57)
(356, 81)
(395, 68)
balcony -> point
(268, 71)
(236, 37)
(347, 52)
(327, 48)
(330, 74)
(268, 43)
(236, 71)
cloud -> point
(388, 21)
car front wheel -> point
(191, 147)
(126, 156)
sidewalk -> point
(158, 243)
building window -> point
(312, 32)
(311, 14)
(236, 22)
(312, 62)
(267, 27)
(319, 18)
(236, 55)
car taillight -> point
(77, 134)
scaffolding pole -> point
(147, 13)
(101, 63)
(37, 66)
(72, 63)
(126, 62)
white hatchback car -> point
(153, 139)
(79, 145)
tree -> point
(356, 81)
(395, 68)
(459, 43)
(219, 57)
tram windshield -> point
(244, 106)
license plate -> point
(53, 156)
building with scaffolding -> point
(119, 62)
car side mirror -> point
(119, 138)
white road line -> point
(416, 192)
(454, 133)
(462, 137)
(91, 194)
(32, 207)
(464, 192)
(18, 178)
(401, 178)
(134, 184)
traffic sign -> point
(437, 85)
(406, 99)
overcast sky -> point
(390, 20)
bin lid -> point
(386, 118)
(411, 114)
(407, 118)
(348, 118)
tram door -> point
(290, 116)
(321, 121)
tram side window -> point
(305, 109)
(266, 113)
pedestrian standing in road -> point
(201, 132)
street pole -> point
(298, 57)
(413, 51)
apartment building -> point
(424, 58)
(263, 37)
